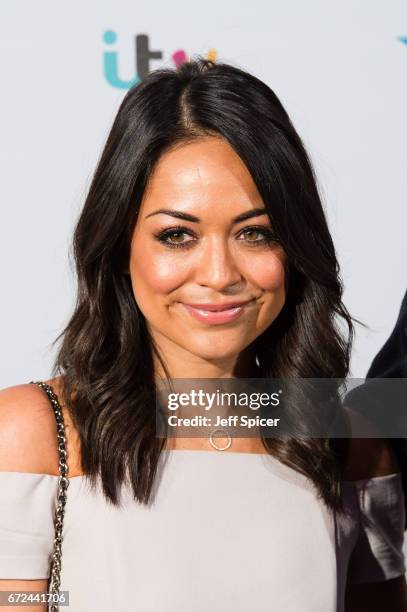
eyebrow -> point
(254, 212)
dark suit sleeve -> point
(391, 360)
(383, 402)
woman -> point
(204, 200)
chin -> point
(210, 352)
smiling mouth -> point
(217, 317)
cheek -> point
(154, 273)
(268, 272)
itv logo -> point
(142, 58)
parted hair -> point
(105, 356)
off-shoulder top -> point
(224, 531)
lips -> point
(216, 314)
(219, 307)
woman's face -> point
(189, 247)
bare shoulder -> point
(370, 455)
(28, 431)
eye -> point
(173, 237)
(264, 235)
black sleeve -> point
(385, 402)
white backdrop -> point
(339, 68)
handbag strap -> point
(63, 483)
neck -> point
(180, 363)
(183, 364)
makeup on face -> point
(206, 268)
(217, 314)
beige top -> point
(225, 531)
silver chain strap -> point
(63, 483)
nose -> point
(217, 267)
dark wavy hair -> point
(106, 355)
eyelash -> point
(179, 229)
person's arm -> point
(25, 585)
(27, 444)
(370, 458)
